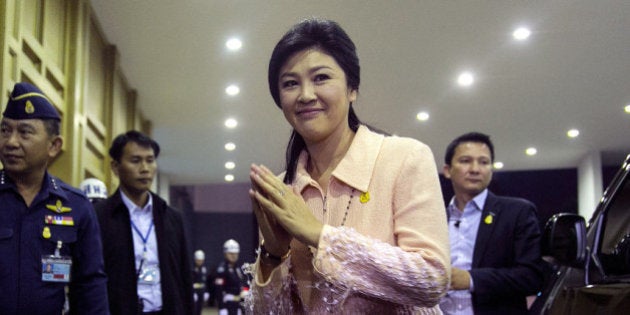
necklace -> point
(324, 286)
(345, 215)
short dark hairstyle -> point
(119, 143)
(328, 37)
(468, 137)
(52, 126)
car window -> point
(614, 250)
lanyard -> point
(145, 240)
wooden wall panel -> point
(58, 46)
(12, 11)
(119, 115)
(95, 103)
(54, 31)
(31, 14)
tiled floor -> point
(210, 311)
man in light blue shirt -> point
(495, 241)
(144, 245)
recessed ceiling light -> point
(232, 90)
(230, 165)
(230, 146)
(234, 44)
(465, 79)
(521, 33)
(229, 177)
(422, 116)
(627, 108)
(498, 165)
(573, 133)
(231, 123)
(531, 151)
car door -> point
(601, 285)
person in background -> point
(49, 235)
(144, 242)
(356, 223)
(230, 284)
(495, 241)
(94, 189)
(200, 274)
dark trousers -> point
(199, 302)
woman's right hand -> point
(276, 238)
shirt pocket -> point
(67, 235)
(6, 252)
(5, 233)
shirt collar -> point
(132, 207)
(356, 167)
(479, 201)
(50, 185)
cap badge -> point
(29, 109)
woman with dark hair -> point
(356, 224)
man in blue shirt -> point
(49, 235)
(495, 241)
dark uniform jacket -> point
(200, 275)
(23, 242)
(118, 251)
(506, 265)
(229, 280)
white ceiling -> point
(573, 72)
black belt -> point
(152, 313)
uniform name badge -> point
(149, 275)
(56, 268)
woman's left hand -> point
(289, 209)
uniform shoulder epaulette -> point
(63, 185)
(3, 180)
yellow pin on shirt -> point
(46, 233)
(488, 219)
(365, 197)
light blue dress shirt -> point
(142, 218)
(462, 230)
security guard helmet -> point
(94, 188)
(199, 255)
(231, 246)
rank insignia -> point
(58, 207)
(365, 197)
(59, 220)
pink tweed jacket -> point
(392, 254)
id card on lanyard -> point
(146, 274)
(56, 268)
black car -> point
(591, 265)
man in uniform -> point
(49, 235)
(200, 273)
(230, 283)
(145, 248)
